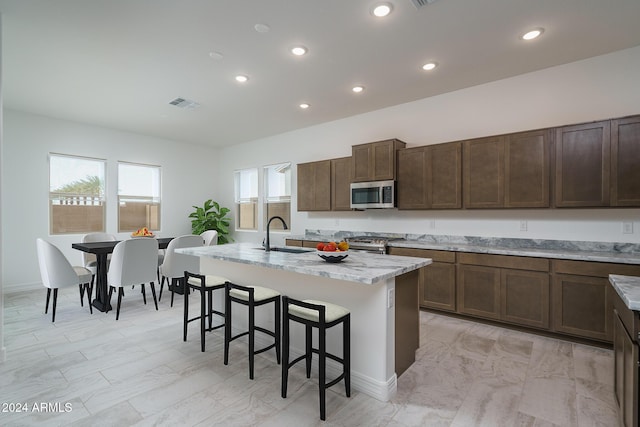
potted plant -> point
(211, 217)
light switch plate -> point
(523, 225)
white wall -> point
(598, 88)
(188, 178)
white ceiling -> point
(118, 63)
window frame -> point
(155, 201)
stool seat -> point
(259, 293)
(333, 312)
(210, 281)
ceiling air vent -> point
(420, 3)
(184, 103)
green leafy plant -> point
(211, 217)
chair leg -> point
(46, 307)
(153, 292)
(285, 350)
(55, 300)
(173, 285)
(81, 288)
(277, 329)
(89, 291)
(308, 337)
(109, 300)
(252, 335)
(161, 286)
(120, 293)
(346, 356)
(227, 326)
(210, 309)
(186, 318)
(144, 294)
(203, 314)
(322, 362)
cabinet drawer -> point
(436, 256)
(594, 269)
(505, 261)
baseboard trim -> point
(21, 287)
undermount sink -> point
(289, 250)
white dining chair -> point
(210, 237)
(57, 272)
(133, 262)
(89, 260)
(174, 265)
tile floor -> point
(138, 371)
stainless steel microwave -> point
(373, 195)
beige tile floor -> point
(138, 371)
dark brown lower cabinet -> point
(479, 291)
(625, 348)
(525, 298)
(437, 280)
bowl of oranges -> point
(332, 251)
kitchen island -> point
(381, 291)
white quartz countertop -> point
(598, 256)
(361, 267)
(628, 287)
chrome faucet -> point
(267, 247)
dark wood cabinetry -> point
(314, 186)
(507, 171)
(375, 161)
(626, 359)
(507, 288)
(437, 281)
(625, 162)
(430, 177)
(582, 165)
(341, 184)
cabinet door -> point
(484, 173)
(412, 178)
(525, 298)
(445, 176)
(527, 170)
(582, 165)
(341, 184)
(625, 162)
(478, 291)
(384, 160)
(314, 186)
(582, 306)
(438, 286)
(362, 162)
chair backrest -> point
(133, 262)
(87, 258)
(210, 237)
(175, 264)
(55, 269)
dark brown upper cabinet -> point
(375, 161)
(625, 162)
(430, 177)
(314, 186)
(341, 184)
(582, 165)
(507, 171)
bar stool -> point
(321, 315)
(206, 285)
(252, 297)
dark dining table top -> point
(107, 247)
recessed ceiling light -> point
(304, 105)
(299, 50)
(357, 89)
(532, 34)
(241, 78)
(381, 10)
(429, 66)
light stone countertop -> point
(628, 287)
(358, 267)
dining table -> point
(101, 250)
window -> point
(277, 200)
(246, 198)
(138, 196)
(76, 194)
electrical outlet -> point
(523, 225)
(627, 228)
(391, 296)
